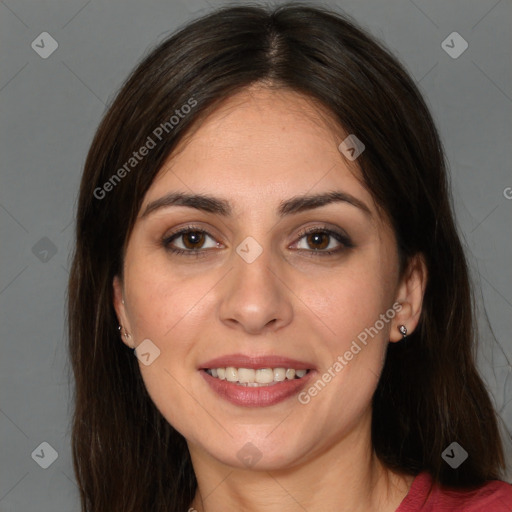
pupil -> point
(316, 239)
(193, 238)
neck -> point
(346, 477)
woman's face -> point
(271, 276)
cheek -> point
(349, 302)
(167, 309)
(354, 306)
(161, 298)
(353, 347)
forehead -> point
(259, 147)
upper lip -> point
(255, 362)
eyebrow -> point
(222, 207)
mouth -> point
(253, 378)
(256, 381)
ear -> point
(122, 316)
(410, 291)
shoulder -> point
(426, 496)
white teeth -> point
(290, 374)
(279, 374)
(264, 376)
(246, 375)
(231, 374)
(254, 378)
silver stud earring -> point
(125, 334)
(403, 331)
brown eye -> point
(322, 242)
(318, 240)
(193, 239)
(190, 241)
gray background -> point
(50, 109)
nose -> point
(255, 298)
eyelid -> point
(185, 229)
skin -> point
(259, 148)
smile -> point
(250, 377)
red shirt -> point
(494, 496)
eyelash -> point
(340, 237)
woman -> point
(264, 221)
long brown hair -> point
(127, 457)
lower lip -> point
(256, 397)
